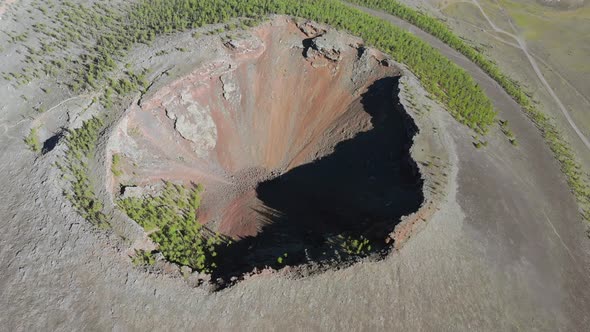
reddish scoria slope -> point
(271, 101)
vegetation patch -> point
(507, 132)
(143, 258)
(480, 144)
(116, 165)
(81, 145)
(170, 219)
(352, 246)
(32, 141)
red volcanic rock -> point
(258, 110)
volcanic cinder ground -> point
(491, 241)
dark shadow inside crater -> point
(359, 191)
(51, 142)
(307, 44)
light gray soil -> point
(505, 250)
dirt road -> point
(522, 45)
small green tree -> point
(172, 218)
(116, 165)
(32, 141)
(143, 258)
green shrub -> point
(507, 132)
(480, 143)
(282, 259)
(32, 141)
(143, 258)
(81, 144)
(116, 164)
(351, 245)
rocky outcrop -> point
(328, 46)
(231, 90)
(311, 29)
(197, 126)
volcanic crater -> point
(295, 132)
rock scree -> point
(295, 131)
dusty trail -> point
(537, 70)
(490, 33)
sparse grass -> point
(116, 165)
(480, 144)
(507, 132)
(282, 259)
(81, 144)
(143, 258)
(541, 22)
(32, 141)
(466, 10)
(135, 131)
(17, 38)
(352, 246)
